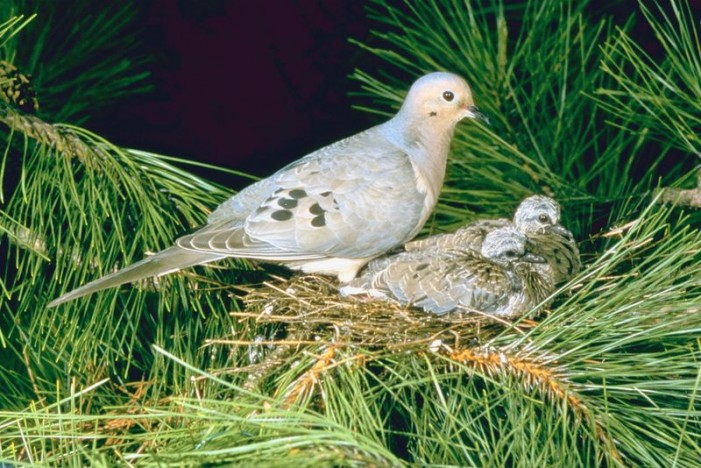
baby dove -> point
(538, 217)
(534, 216)
(503, 279)
(557, 246)
(337, 208)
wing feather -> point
(361, 211)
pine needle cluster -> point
(229, 364)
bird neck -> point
(427, 142)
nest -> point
(311, 310)
(305, 315)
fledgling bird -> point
(558, 247)
(337, 208)
(533, 213)
(537, 215)
(503, 279)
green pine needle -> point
(170, 372)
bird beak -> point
(532, 258)
(560, 230)
(474, 113)
(529, 256)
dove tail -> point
(167, 261)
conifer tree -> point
(211, 366)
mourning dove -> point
(503, 279)
(557, 246)
(337, 208)
(536, 216)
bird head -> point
(507, 245)
(537, 213)
(440, 97)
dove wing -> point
(439, 281)
(354, 199)
(464, 279)
(561, 254)
(467, 237)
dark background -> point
(246, 85)
(252, 85)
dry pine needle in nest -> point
(311, 310)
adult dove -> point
(503, 279)
(337, 208)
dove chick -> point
(337, 208)
(557, 246)
(503, 279)
(538, 217)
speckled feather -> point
(538, 217)
(470, 236)
(559, 251)
(502, 279)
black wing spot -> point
(261, 209)
(421, 266)
(287, 203)
(319, 221)
(316, 209)
(281, 215)
(298, 193)
(433, 114)
(325, 194)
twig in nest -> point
(310, 306)
(312, 313)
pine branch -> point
(608, 375)
(531, 375)
(58, 137)
(662, 97)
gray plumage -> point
(557, 246)
(538, 217)
(337, 208)
(533, 213)
(502, 279)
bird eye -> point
(543, 218)
(448, 95)
(510, 254)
